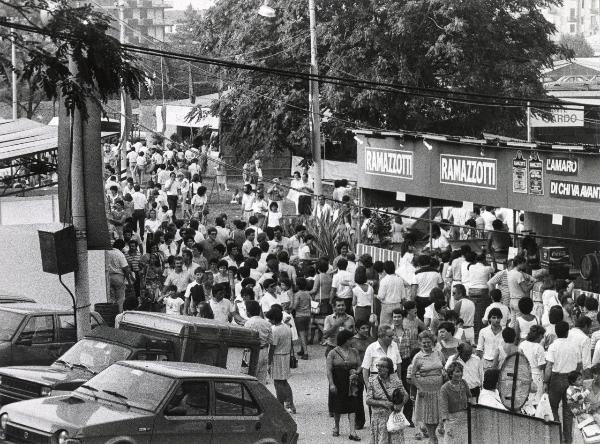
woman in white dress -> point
(295, 185)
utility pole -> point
(13, 61)
(125, 100)
(529, 136)
(315, 121)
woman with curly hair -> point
(427, 376)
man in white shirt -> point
(322, 210)
(490, 339)
(384, 347)
(496, 296)
(139, 209)
(488, 217)
(465, 308)
(489, 395)
(454, 274)
(561, 359)
(221, 307)
(472, 367)
(426, 279)
(140, 167)
(268, 298)
(132, 161)
(579, 337)
(341, 285)
(392, 290)
(519, 283)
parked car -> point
(140, 336)
(569, 83)
(101, 348)
(15, 299)
(154, 402)
(36, 334)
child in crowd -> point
(525, 319)
(173, 304)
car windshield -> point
(130, 386)
(10, 323)
(93, 355)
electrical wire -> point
(431, 93)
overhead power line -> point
(431, 93)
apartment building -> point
(575, 17)
(144, 18)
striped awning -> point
(24, 137)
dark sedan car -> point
(154, 402)
(36, 334)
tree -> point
(575, 45)
(77, 35)
(495, 47)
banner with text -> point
(559, 117)
(386, 162)
(477, 172)
(575, 190)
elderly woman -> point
(343, 364)
(427, 376)
(385, 393)
(453, 404)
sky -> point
(196, 4)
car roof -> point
(129, 338)
(175, 324)
(183, 370)
(26, 308)
(7, 298)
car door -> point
(186, 418)
(237, 414)
(35, 344)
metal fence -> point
(492, 426)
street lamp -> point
(315, 118)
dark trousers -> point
(359, 419)
(481, 299)
(408, 407)
(139, 218)
(349, 310)
(172, 201)
(557, 392)
(421, 303)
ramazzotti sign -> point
(478, 172)
(385, 162)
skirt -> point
(379, 433)
(426, 407)
(281, 367)
(340, 402)
(456, 429)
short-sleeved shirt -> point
(534, 353)
(180, 280)
(488, 343)
(374, 352)
(331, 320)
(115, 261)
(427, 281)
(173, 306)
(563, 356)
(343, 291)
(514, 279)
(263, 327)
(221, 309)
(267, 301)
(282, 339)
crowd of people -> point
(425, 336)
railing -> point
(492, 426)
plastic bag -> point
(397, 422)
(543, 410)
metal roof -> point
(24, 137)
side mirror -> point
(25, 341)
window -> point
(234, 399)
(39, 329)
(238, 359)
(67, 327)
(572, 28)
(205, 354)
(191, 399)
(143, 13)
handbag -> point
(315, 307)
(373, 320)
(293, 358)
(396, 421)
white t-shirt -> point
(132, 157)
(304, 252)
(221, 309)
(273, 218)
(503, 308)
(427, 281)
(363, 298)
(534, 352)
(514, 279)
(266, 301)
(173, 305)
(343, 290)
(479, 275)
(439, 243)
(563, 355)
(489, 343)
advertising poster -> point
(536, 175)
(519, 174)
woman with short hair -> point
(453, 404)
(343, 363)
(385, 394)
(427, 376)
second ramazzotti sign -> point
(477, 172)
